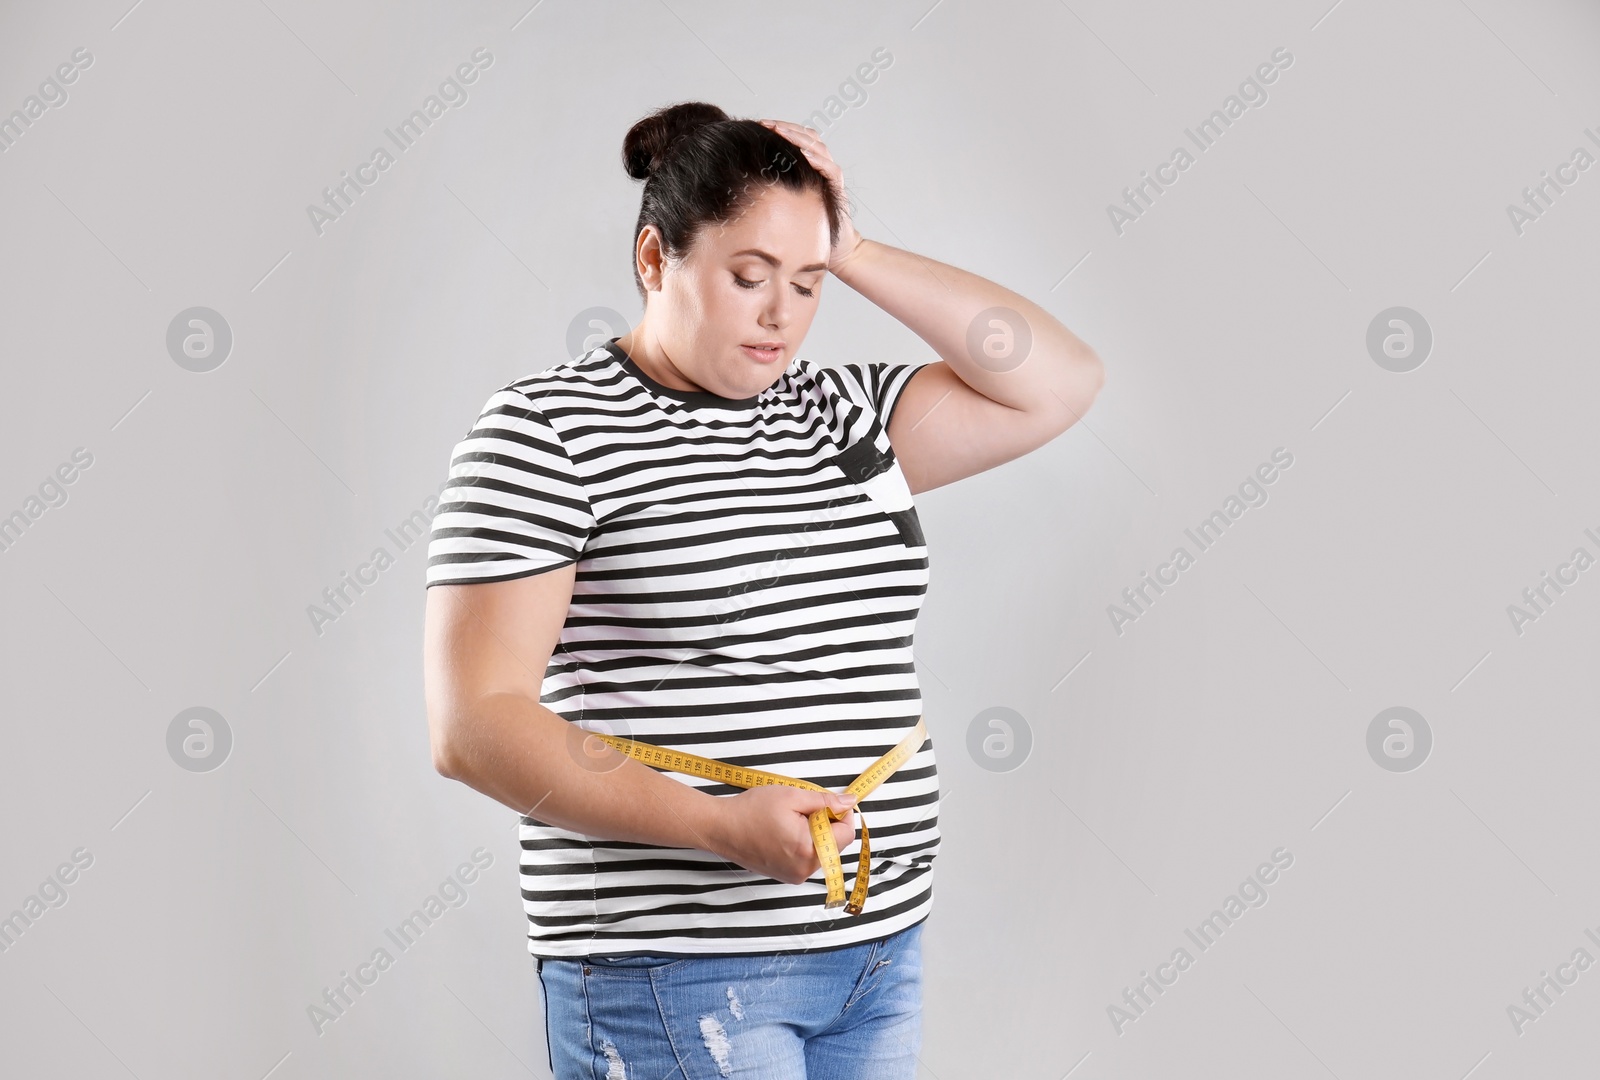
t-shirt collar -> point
(696, 398)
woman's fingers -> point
(816, 152)
(805, 137)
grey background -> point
(1166, 761)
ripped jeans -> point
(836, 1014)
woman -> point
(691, 538)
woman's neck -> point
(654, 363)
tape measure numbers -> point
(820, 820)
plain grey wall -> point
(1242, 313)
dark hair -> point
(701, 167)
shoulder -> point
(534, 409)
(583, 384)
(875, 385)
(833, 380)
(582, 372)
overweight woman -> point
(689, 540)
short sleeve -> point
(881, 384)
(514, 505)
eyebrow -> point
(772, 259)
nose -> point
(775, 315)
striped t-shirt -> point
(749, 574)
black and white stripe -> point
(748, 582)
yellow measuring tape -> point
(821, 820)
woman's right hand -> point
(767, 830)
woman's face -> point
(751, 281)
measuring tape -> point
(821, 820)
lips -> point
(766, 351)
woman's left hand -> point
(811, 145)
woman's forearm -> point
(522, 754)
(940, 302)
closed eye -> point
(802, 290)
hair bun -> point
(645, 148)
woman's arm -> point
(1007, 381)
(485, 650)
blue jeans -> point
(837, 1014)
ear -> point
(649, 256)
